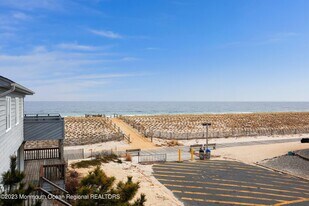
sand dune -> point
(223, 125)
(89, 130)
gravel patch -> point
(290, 164)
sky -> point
(157, 50)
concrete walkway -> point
(138, 141)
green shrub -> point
(86, 163)
(97, 182)
(100, 158)
(105, 158)
(13, 182)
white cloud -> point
(39, 49)
(61, 75)
(12, 20)
(32, 4)
(21, 16)
(74, 87)
(271, 39)
(63, 90)
(74, 46)
(7, 35)
(10, 24)
(277, 37)
(152, 48)
(79, 47)
(129, 59)
(105, 76)
(107, 34)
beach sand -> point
(256, 153)
(89, 130)
(111, 145)
(156, 193)
(222, 125)
(163, 142)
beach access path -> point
(138, 141)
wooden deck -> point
(32, 169)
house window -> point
(17, 113)
(8, 113)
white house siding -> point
(10, 141)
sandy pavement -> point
(256, 153)
(163, 142)
(111, 145)
(156, 193)
(138, 141)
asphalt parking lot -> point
(220, 182)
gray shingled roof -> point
(43, 127)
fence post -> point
(179, 155)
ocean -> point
(79, 108)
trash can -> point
(290, 153)
(201, 154)
(207, 156)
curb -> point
(284, 172)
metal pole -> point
(207, 137)
(205, 134)
(206, 125)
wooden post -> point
(61, 152)
(179, 155)
(192, 154)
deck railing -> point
(44, 197)
(42, 153)
(53, 172)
